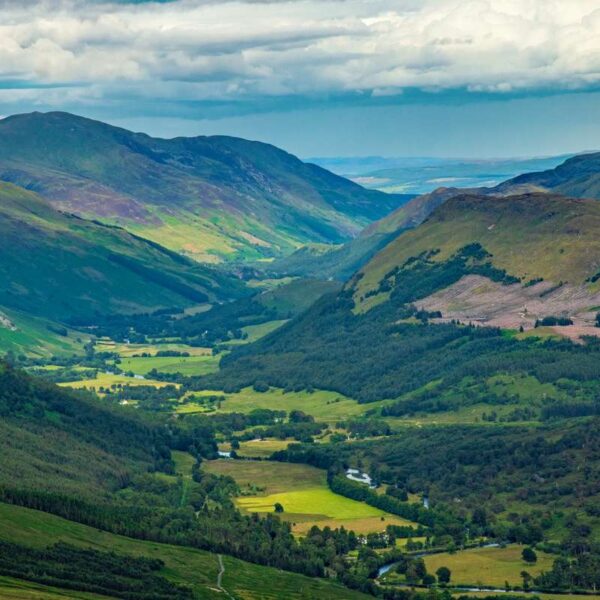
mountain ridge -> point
(60, 266)
(209, 197)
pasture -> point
(186, 365)
(128, 350)
(488, 566)
(304, 494)
(324, 406)
(107, 380)
(262, 448)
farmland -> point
(107, 380)
(488, 566)
(324, 406)
(303, 492)
(186, 365)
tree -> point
(529, 555)
(443, 575)
(278, 507)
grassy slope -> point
(304, 494)
(529, 236)
(32, 336)
(323, 405)
(184, 565)
(489, 566)
(210, 197)
(60, 266)
(341, 262)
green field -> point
(32, 336)
(196, 568)
(186, 365)
(304, 494)
(255, 332)
(488, 566)
(107, 380)
(324, 406)
(262, 448)
(128, 350)
(17, 589)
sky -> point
(453, 78)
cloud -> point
(199, 51)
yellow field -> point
(262, 448)
(488, 566)
(303, 492)
(105, 380)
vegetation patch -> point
(489, 566)
(303, 493)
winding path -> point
(220, 578)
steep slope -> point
(57, 441)
(210, 197)
(340, 262)
(62, 267)
(530, 236)
(578, 177)
(498, 261)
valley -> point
(199, 390)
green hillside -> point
(370, 342)
(340, 262)
(578, 177)
(59, 266)
(197, 569)
(530, 236)
(208, 197)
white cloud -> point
(192, 50)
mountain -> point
(578, 177)
(211, 198)
(60, 266)
(505, 262)
(341, 261)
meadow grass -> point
(324, 406)
(262, 448)
(189, 566)
(488, 566)
(186, 365)
(255, 332)
(303, 492)
(128, 350)
(17, 589)
(107, 380)
(33, 338)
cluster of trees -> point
(87, 570)
(223, 322)
(415, 572)
(552, 321)
(579, 573)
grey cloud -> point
(197, 50)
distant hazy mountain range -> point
(423, 175)
(210, 198)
